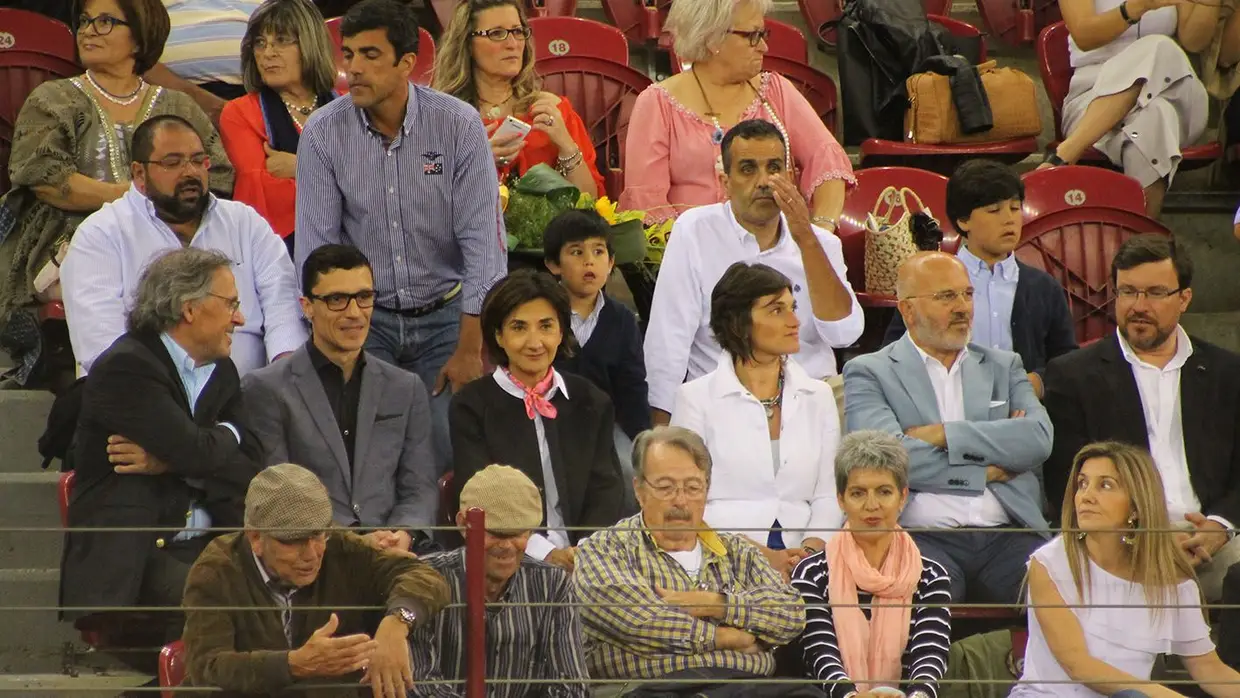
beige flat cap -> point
(287, 502)
(510, 499)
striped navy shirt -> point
(929, 636)
(424, 208)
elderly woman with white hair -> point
(875, 623)
(672, 157)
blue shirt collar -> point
(186, 366)
(411, 113)
(1005, 269)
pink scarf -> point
(536, 401)
(872, 650)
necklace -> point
(123, 100)
(775, 400)
(304, 111)
(497, 108)
(717, 136)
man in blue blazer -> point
(975, 432)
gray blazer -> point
(890, 390)
(393, 482)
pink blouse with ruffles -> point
(670, 159)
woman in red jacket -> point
(289, 71)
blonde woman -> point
(1115, 590)
(672, 155)
(486, 59)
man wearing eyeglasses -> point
(975, 432)
(359, 423)
(1148, 383)
(169, 206)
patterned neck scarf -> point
(535, 398)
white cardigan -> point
(745, 492)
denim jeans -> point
(1130, 693)
(422, 345)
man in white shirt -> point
(975, 432)
(168, 207)
(764, 220)
(1150, 384)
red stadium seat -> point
(640, 20)
(786, 41)
(603, 94)
(1018, 23)
(21, 72)
(555, 37)
(963, 30)
(64, 492)
(818, 13)
(171, 668)
(447, 500)
(551, 8)
(1062, 188)
(1056, 68)
(22, 30)
(1076, 247)
(423, 69)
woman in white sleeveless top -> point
(1134, 94)
(1116, 562)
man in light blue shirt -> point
(168, 206)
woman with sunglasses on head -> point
(70, 156)
(672, 154)
(486, 58)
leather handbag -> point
(889, 238)
(932, 118)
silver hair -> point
(686, 440)
(171, 280)
(870, 450)
(697, 26)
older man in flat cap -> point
(542, 643)
(293, 571)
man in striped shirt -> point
(524, 642)
(664, 594)
(405, 174)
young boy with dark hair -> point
(1016, 307)
(577, 248)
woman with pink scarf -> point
(872, 628)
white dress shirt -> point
(746, 492)
(541, 545)
(704, 242)
(929, 510)
(1160, 401)
(112, 246)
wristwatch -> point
(404, 615)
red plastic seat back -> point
(818, 88)
(1055, 65)
(1063, 188)
(423, 68)
(551, 8)
(640, 20)
(603, 94)
(22, 30)
(555, 37)
(1076, 247)
(963, 30)
(20, 73)
(447, 500)
(64, 492)
(171, 668)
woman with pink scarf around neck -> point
(872, 627)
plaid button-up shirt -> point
(632, 633)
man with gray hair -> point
(161, 442)
(665, 596)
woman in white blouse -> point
(1129, 589)
(772, 430)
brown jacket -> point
(246, 652)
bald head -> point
(936, 302)
(929, 272)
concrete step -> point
(103, 685)
(28, 501)
(33, 640)
(23, 416)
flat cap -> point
(510, 499)
(288, 503)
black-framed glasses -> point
(1158, 293)
(693, 489)
(500, 34)
(340, 301)
(178, 162)
(755, 36)
(234, 304)
(102, 24)
(947, 297)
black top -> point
(342, 396)
(613, 360)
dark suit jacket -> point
(1092, 395)
(490, 426)
(134, 391)
(1042, 326)
(392, 481)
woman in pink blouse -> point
(672, 158)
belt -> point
(426, 309)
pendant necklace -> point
(770, 403)
(497, 108)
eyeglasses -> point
(280, 42)
(755, 37)
(234, 304)
(103, 24)
(947, 297)
(500, 34)
(1158, 293)
(178, 162)
(693, 489)
(340, 301)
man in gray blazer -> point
(975, 432)
(362, 425)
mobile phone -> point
(511, 127)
